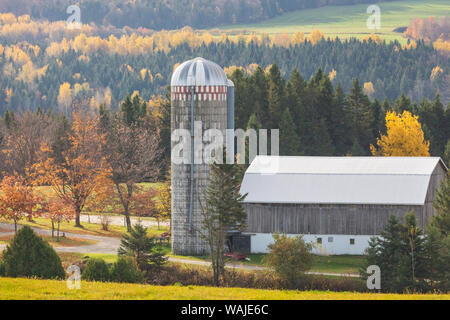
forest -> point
(50, 75)
(170, 14)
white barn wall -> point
(340, 245)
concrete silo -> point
(201, 94)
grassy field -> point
(18, 288)
(349, 21)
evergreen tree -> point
(276, 95)
(358, 107)
(289, 140)
(259, 96)
(221, 212)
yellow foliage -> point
(374, 37)
(436, 72)
(143, 73)
(411, 45)
(404, 137)
(229, 70)
(316, 36)
(368, 88)
(298, 38)
(332, 75)
(17, 55)
(442, 45)
(65, 95)
(282, 40)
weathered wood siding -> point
(324, 218)
(437, 177)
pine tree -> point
(221, 212)
(358, 106)
(259, 96)
(289, 140)
(276, 95)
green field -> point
(349, 21)
(18, 288)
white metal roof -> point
(199, 72)
(345, 180)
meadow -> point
(20, 288)
(348, 21)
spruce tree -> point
(222, 211)
(276, 95)
(289, 140)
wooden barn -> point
(338, 203)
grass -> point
(20, 288)
(63, 241)
(348, 21)
(88, 228)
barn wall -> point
(357, 219)
(331, 244)
(437, 177)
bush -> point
(185, 275)
(96, 270)
(290, 257)
(125, 270)
(28, 255)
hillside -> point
(349, 21)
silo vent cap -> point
(199, 72)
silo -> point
(198, 102)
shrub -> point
(125, 270)
(28, 255)
(96, 270)
(146, 253)
(185, 275)
(290, 257)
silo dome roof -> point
(199, 72)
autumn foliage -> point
(17, 200)
(404, 137)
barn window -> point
(352, 241)
(319, 240)
(330, 239)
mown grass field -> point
(349, 21)
(19, 288)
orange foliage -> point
(17, 200)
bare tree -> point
(132, 152)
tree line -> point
(317, 118)
(171, 14)
(87, 162)
(32, 78)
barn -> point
(337, 203)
